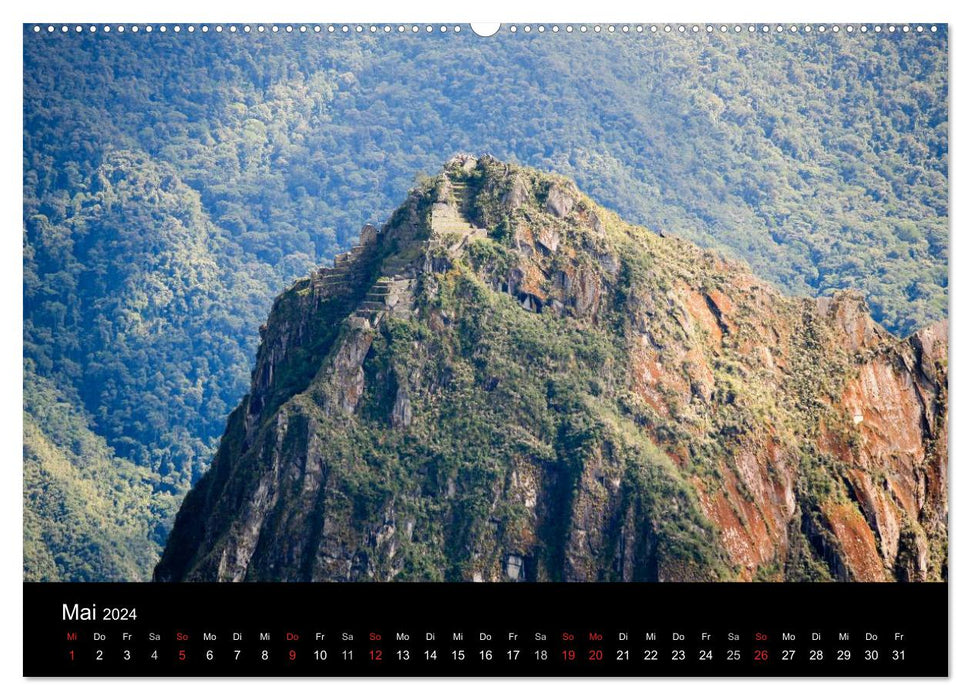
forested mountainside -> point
(88, 514)
(173, 184)
(509, 382)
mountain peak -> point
(506, 380)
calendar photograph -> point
(530, 307)
(568, 303)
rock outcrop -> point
(507, 382)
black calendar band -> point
(459, 629)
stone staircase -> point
(343, 276)
(373, 306)
(387, 296)
(452, 223)
(460, 190)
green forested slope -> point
(173, 184)
(88, 516)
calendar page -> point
(544, 349)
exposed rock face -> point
(506, 382)
(559, 201)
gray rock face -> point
(517, 195)
(559, 202)
(514, 567)
(401, 412)
(346, 370)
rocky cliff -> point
(508, 382)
